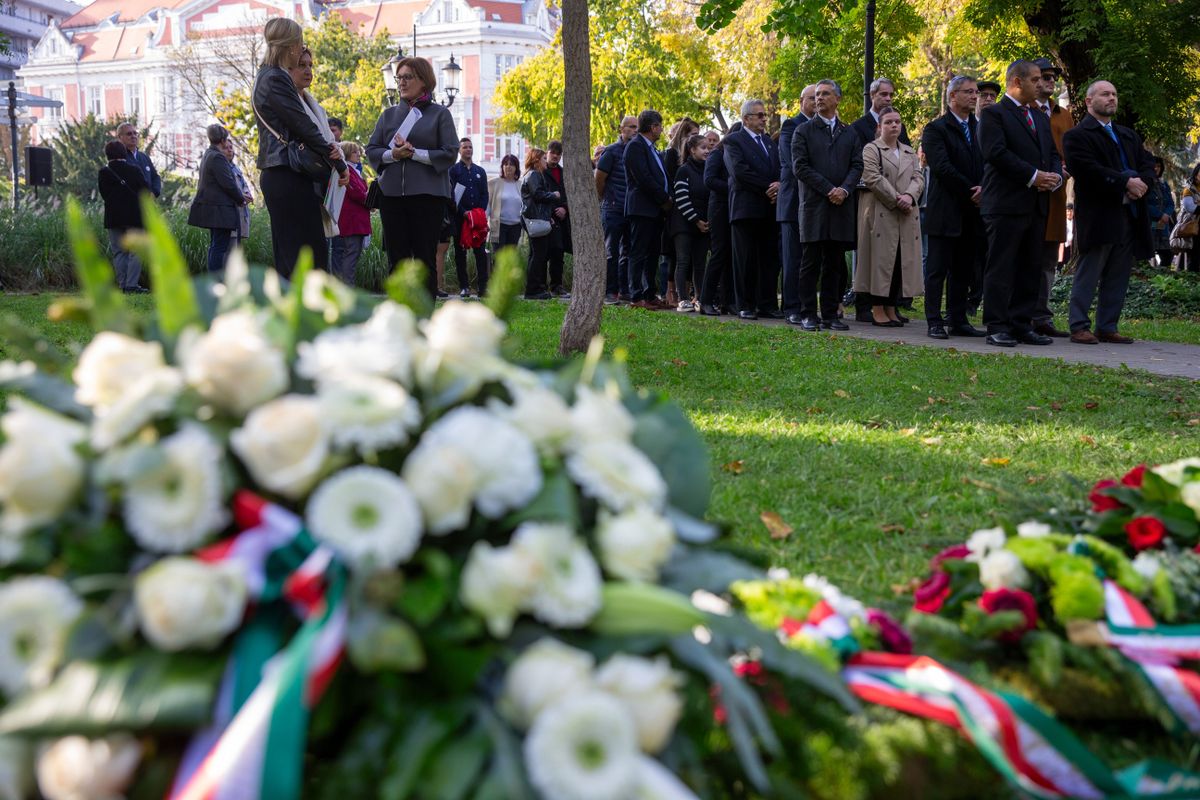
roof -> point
(113, 44)
(373, 18)
(508, 12)
(127, 11)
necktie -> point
(1045, 109)
(763, 145)
(1120, 150)
(1029, 119)
(966, 130)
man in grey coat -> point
(827, 160)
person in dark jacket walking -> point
(121, 185)
(717, 293)
(293, 200)
(539, 204)
(689, 223)
(217, 199)
(469, 184)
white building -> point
(24, 22)
(118, 57)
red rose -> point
(1145, 532)
(1133, 478)
(791, 626)
(930, 595)
(895, 639)
(1011, 600)
(955, 552)
(1102, 502)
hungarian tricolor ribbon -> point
(255, 745)
(825, 624)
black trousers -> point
(645, 237)
(718, 275)
(755, 263)
(1013, 271)
(510, 234)
(295, 209)
(616, 245)
(412, 225)
(894, 287)
(535, 272)
(823, 264)
(951, 266)
(554, 258)
(460, 265)
(792, 252)
(691, 253)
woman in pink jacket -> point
(354, 222)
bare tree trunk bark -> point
(582, 322)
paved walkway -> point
(1160, 358)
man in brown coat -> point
(1056, 222)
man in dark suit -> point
(883, 93)
(952, 221)
(1056, 222)
(752, 159)
(647, 199)
(121, 184)
(787, 206)
(127, 134)
(827, 160)
(1021, 169)
(1112, 172)
(610, 186)
(717, 293)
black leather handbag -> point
(309, 163)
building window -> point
(166, 94)
(133, 99)
(95, 101)
(55, 112)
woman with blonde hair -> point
(293, 198)
(538, 201)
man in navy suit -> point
(787, 206)
(752, 159)
(647, 199)
(127, 133)
(1021, 169)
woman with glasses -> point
(413, 147)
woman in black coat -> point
(689, 223)
(217, 199)
(538, 204)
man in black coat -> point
(752, 159)
(827, 160)
(787, 206)
(952, 221)
(647, 199)
(121, 185)
(883, 94)
(718, 273)
(1021, 169)
(1112, 172)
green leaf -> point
(505, 282)
(1045, 653)
(455, 768)
(406, 285)
(106, 304)
(54, 393)
(508, 768)
(691, 568)
(668, 438)
(691, 530)
(425, 595)
(636, 609)
(558, 500)
(146, 691)
(379, 642)
(1157, 489)
(25, 343)
(174, 296)
(410, 755)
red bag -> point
(474, 228)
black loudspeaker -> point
(39, 166)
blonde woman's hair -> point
(351, 149)
(280, 34)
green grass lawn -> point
(876, 455)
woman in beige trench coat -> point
(889, 225)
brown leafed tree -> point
(582, 322)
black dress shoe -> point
(1001, 340)
(938, 332)
(538, 296)
(771, 314)
(903, 319)
(1033, 337)
(834, 324)
(709, 311)
(966, 329)
(810, 324)
(890, 323)
(747, 315)
(794, 319)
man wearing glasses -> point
(752, 159)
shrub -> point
(1153, 293)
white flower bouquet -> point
(296, 541)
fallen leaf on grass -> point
(900, 589)
(932, 441)
(735, 467)
(679, 362)
(1088, 440)
(1193, 423)
(1056, 406)
(996, 462)
(841, 393)
(775, 525)
(813, 410)
(1035, 479)
(908, 431)
(1092, 406)
(892, 527)
(1033, 408)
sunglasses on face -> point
(759, 115)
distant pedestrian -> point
(354, 222)
(1161, 204)
(1189, 202)
(560, 235)
(539, 201)
(752, 159)
(610, 186)
(689, 224)
(218, 199)
(469, 184)
(243, 230)
(504, 205)
(121, 185)
(647, 200)
(127, 134)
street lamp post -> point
(16, 159)
(869, 56)
(451, 78)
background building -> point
(24, 22)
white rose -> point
(148, 397)
(16, 775)
(110, 364)
(1002, 569)
(283, 444)
(382, 346)
(541, 414)
(40, 470)
(35, 614)
(367, 413)
(497, 583)
(183, 603)
(463, 332)
(1190, 495)
(584, 748)
(234, 365)
(847, 607)
(76, 768)
(634, 545)
(1033, 530)
(1173, 472)
(597, 417)
(618, 475)
(567, 593)
(368, 516)
(1147, 565)
(443, 481)
(649, 690)
(985, 541)
(545, 673)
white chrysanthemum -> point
(497, 583)
(16, 773)
(1189, 493)
(463, 332)
(382, 346)
(40, 470)
(539, 413)
(177, 505)
(234, 364)
(618, 475)
(368, 516)
(151, 396)
(110, 364)
(598, 417)
(494, 465)
(1001, 569)
(367, 413)
(1147, 565)
(635, 544)
(1173, 473)
(77, 768)
(183, 602)
(567, 595)
(584, 748)
(649, 689)
(35, 614)
(847, 607)
(546, 672)
(284, 444)
(1033, 530)
(985, 541)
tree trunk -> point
(582, 322)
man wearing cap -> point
(1056, 222)
(988, 92)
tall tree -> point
(346, 76)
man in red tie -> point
(1021, 169)
(1056, 222)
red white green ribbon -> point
(826, 625)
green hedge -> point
(1153, 293)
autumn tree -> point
(346, 73)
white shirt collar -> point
(874, 116)
(1010, 97)
(961, 120)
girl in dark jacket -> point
(539, 201)
(689, 223)
(218, 199)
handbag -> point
(304, 160)
(374, 195)
(536, 228)
(1187, 227)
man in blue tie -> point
(1112, 172)
(647, 199)
(752, 159)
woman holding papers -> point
(413, 147)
